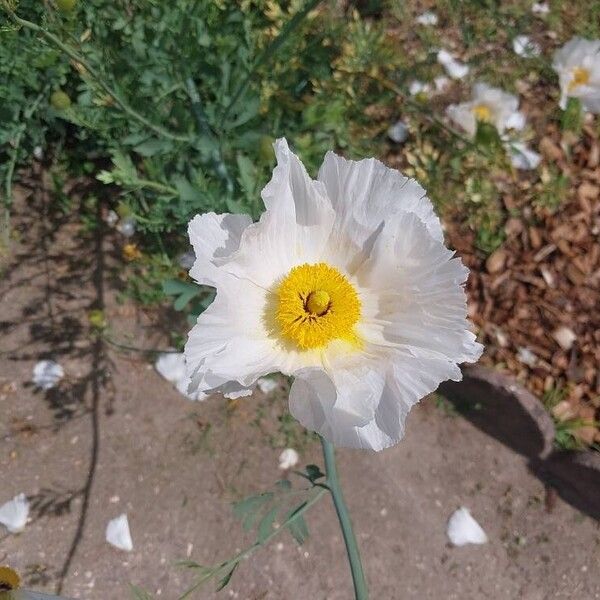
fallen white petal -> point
(418, 87)
(288, 459)
(14, 513)
(454, 68)
(441, 82)
(398, 132)
(522, 157)
(527, 357)
(464, 529)
(427, 18)
(111, 218)
(118, 534)
(540, 8)
(267, 385)
(524, 46)
(565, 337)
(47, 373)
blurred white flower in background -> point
(578, 66)
(427, 18)
(398, 132)
(14, 513)
(418, 87)
(522, 157)
(126, 227)
(288, 459)
(118, 534)
(524, 46)
(540, 8)
(454, 68)
(46, 374)
(441, 82)
(488, 105)
(111, 218)
(345, 284)
(464, 529)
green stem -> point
(58, 43)
(333, 484)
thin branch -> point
(58, 43)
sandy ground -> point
(117, 438)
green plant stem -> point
(333, 484)
(269, 52)
(58, 43)
(226, 566)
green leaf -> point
(572, 116)
(248, 509)
(314, 472)
(223, 583)
(296, 524)
(265, 527)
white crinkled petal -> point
(46, 374)
(462, 115)
(214, 237)
(288, 459)
(523, 157)
(14, 513)
(364, 194)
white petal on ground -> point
(565, 337)
(378, 229)
(523, 157)
(418, 87)
(464, 529)
(14, 513)
(454, 68)
(441, 82)
(576, 56)
(126, 227)
(540, 8)
(38, 153)
(398, 132)
(111, 218)
(288, 459)
(118, 534)
(524, 46)
(526, 356)
(267, 385)
(427, 18)
(46, 374)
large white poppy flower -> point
(489, 105)
(343, 283)
(578, 66)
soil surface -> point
(114, 437)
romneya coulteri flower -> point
(345, 284)
(578, 66)
(488, 105)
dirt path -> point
(115, 437)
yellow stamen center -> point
(316, 305)
(580, 76)
(482, 113)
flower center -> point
(482, 113)
(579, 76)
(317, 304)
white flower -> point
(427, 18)
(454, 68)
(578, 66)
(267, 385)
(47, 373)
(522, 157)
(489, 105)
(464, 529)
(288, 459)
(418, 87)
(14, 513)
(524, 46)
(118, 534)
(540, 8)
(398, 132)
(345, 284)
(126, 227)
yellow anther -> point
(482, 113)
(580, 76)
